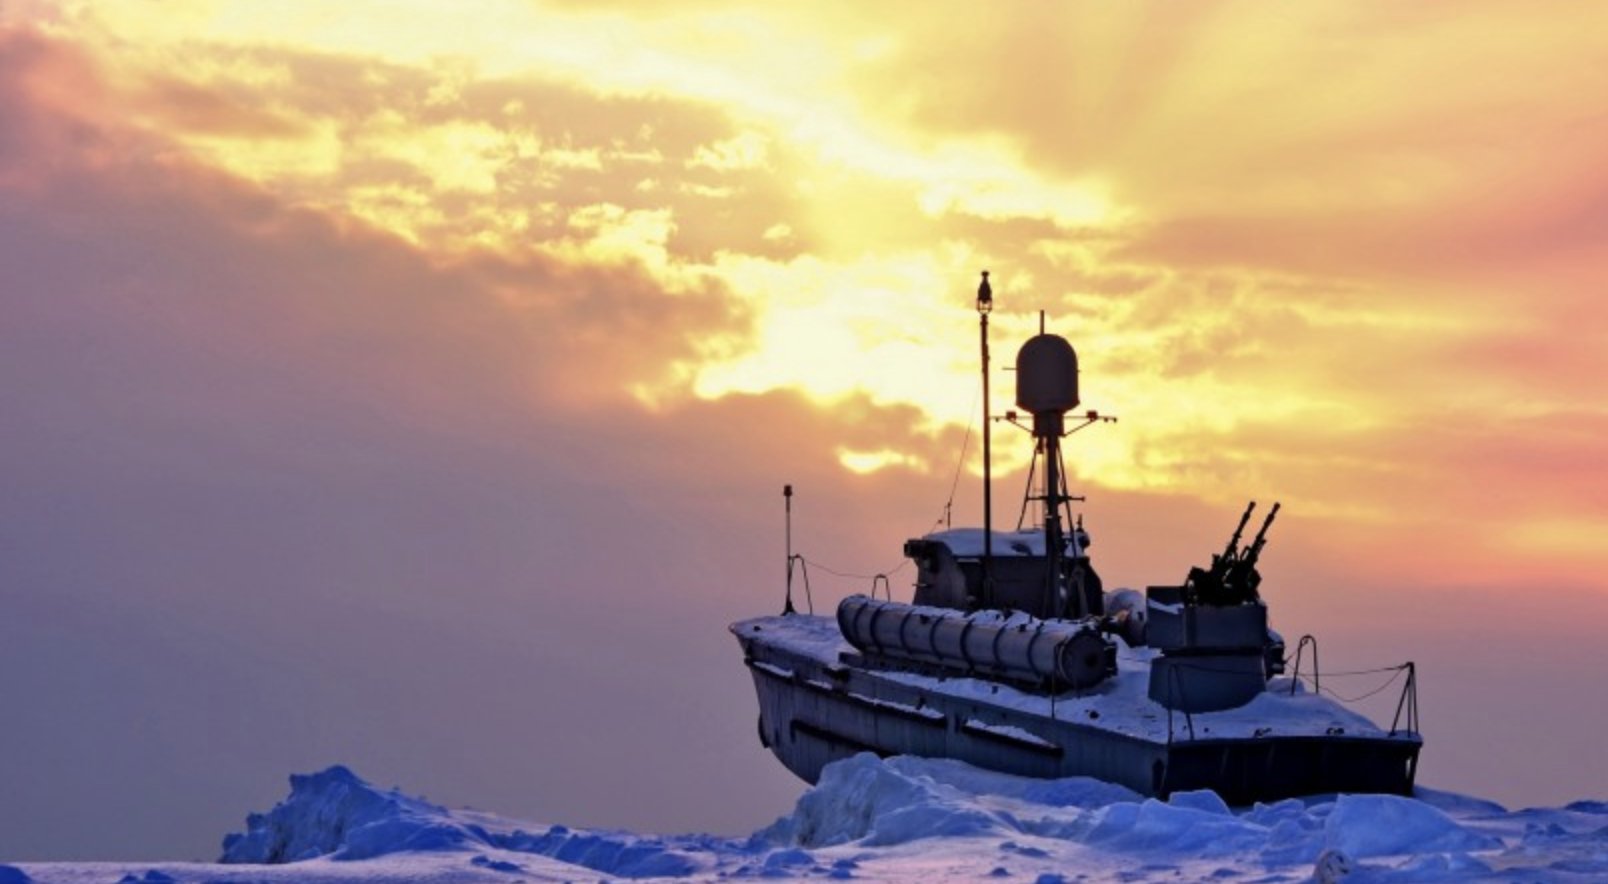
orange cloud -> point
(1291, 247)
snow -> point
(777, 671)
(904, 819)
(1007, 732)
(901, 708)
(1380, 825)
(925, 820)
(337, 816)
(968, 542)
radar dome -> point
(1046, 375)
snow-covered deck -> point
(1120, 704)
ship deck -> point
(816, 707)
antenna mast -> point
(1047, 387)
(985, 305)
(787, 495)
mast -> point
(787, 496)
(1047, 387)
(985, 305)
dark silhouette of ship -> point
(1012, 656)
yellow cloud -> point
(864, 462)
(454, 156)
(315, 153)
(883, 326)
(608, 233)
(1250, 225)
(745, 151)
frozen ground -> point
(904, 819)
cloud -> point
(1276, 269)
(284, 488)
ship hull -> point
(813, 712)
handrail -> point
(1408, 701)
(1295, 676)
(803, 569)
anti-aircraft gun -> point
(1232, 578)
(1216, 649)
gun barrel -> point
(1233, 542)
(1261, 536)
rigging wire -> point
(1396, 674)
(847, 575)
(1032, 473)
(1360, 697)
(943, 517)
(1354, 672)
(960, 462)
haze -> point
(412, 385)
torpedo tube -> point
(1036, 653)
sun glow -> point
(1265, 286)
(888, 328)
(864, 462)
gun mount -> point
(1216, 648)
(1232, 578)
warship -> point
(1011, 656)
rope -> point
(954, 485)
(1388, 682)
(1354, 672)
(960, 462)
(1396, 673)
(943, 517)
(848, 575)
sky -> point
(410, 385)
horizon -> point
(412, 387)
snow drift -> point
(870, 818)
(877, 802)
(335, 814)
